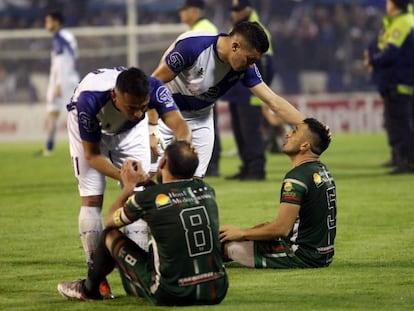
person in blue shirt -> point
(107, 124)
(200, 67)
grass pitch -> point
(373, 266)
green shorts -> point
(264, 254)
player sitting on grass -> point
(184, 265)
(303, 233)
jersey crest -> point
(176, 61)
(164, 96)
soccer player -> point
(245, 110)
(200, 67)
(185, 264)
(107, 124)
(303, 233)
(192, 14)
(63, 76)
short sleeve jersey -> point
(202, 77)
(64, 57)
(184, 222)
(311, 186)
(97, 113)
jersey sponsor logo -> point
(89, 124)
(317, 179)
(162, 201)
(176, 61)
(204, 277)
(288, 186)
(164, 96)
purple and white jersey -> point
(202, 77)
(64, 56)
(97, 113)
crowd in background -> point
(308, 36)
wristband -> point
(152, 128)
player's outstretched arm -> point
(175, 121)
(278, 104)
(279, 227)
(164, 73)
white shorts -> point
(202, 131)
(131, 144)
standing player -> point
(200, 67)
(303, 233)
(245, 109)
(185, 266)
(107, 124)
(192, 14)
(63, 76)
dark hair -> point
(182, 159)
(133, 81)
(254, 35)
(57, 16)
(321, 135)
(402, 4)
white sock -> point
(90, 227)
(138, 232)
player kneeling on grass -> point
(184, 263)
(303, 233)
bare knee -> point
(111, 236)
(92, 200)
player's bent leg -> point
(90, 224)
(134, 265)
(276, 254)
(138, 232)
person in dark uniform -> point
(245, 109)
(184, 264)
(390, 59)
(303, 233)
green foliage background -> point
(373, 266)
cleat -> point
(75, 291)
(105, 290)
(43, 153)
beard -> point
(290, 152)
(159, 177)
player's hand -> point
(231, 233)
(132, 174)
(366, 62)
(154, 142)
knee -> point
(109, 235)
(92, 200)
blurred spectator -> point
(312, 35)
(7, 85)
